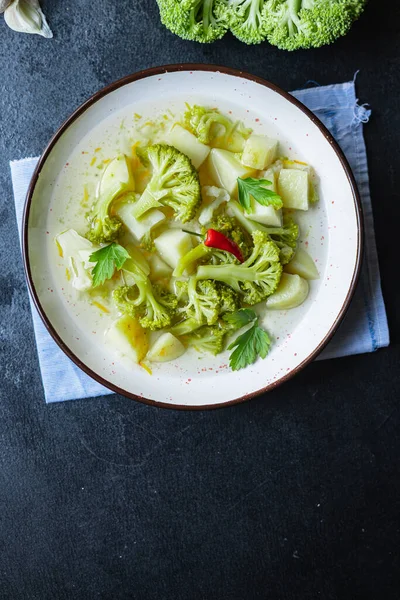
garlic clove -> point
(26, 16)
(4, 4)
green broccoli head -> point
(154, 307)
(104, 229)
(286, 253)
(174, 182)
(165, 297)
(204, 122)
(285, 238)
(246, 20)
(196, 20)
(210, 127)
(140, 301)
(229, 299)
(116, 179)
(203, 301)
(294, 24)
(257, 277)
(207, 339)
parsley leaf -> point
(240, 318)
(253, 188)
(253, 343)
(107, 259)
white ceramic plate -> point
(331, 231)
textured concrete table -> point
(290, 496)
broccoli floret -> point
(139, 301)
(293, 24)
(210, 127)
(257, 277)
(116, 179)
(174, 182)
(197, 20)
(230, 227)
(203, 301)
(246, 20)
(285, 238)
(104, 228)
(165, 297)
(207, 339)
(147, 242)
(204, 122)
(229, 299)
(153, 306)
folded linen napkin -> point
(364, 328)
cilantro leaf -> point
(107, 259)
(253, 188)
(240, 318)
(249, 346)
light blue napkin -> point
(365, 326)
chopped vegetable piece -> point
(302, 264)
(172, 245)
(75, 250)
(166, 348)
(159, 268)
(291, 292)
(259, 152)
(293, 186)
(225, 169)
(138, 228)
(128, 338)
(188, 144)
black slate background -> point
(294, 495)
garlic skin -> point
(26, 16)
(4, 4)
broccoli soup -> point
(178, 234)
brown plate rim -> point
(160, 71)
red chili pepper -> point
(216, 239)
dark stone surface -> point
(292, 495)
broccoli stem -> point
(255, 14)
(146, 202)
(293, 13)
(229, 274)
(202, 12)
(191, 257)
(186, 326)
